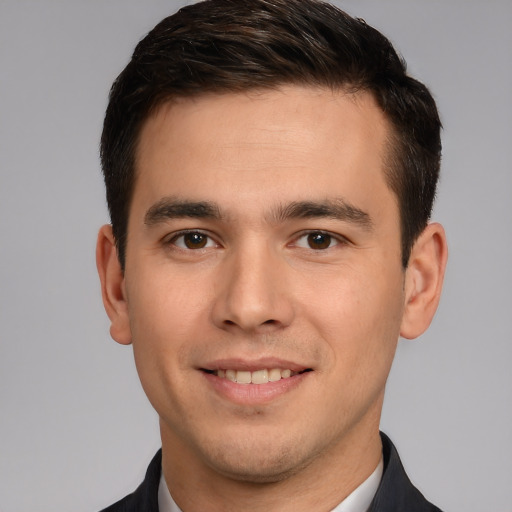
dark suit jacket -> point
(395, 494)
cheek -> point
(359, 318)
(166, 319)
(165, 305)
(162, 340)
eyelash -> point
(181, 234)
(337, 239)
(330, 238)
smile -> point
(250, 383)
(256, 377)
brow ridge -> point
(172, 208)
(338, 209)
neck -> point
(320, 485)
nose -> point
(253, 293)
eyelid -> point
(172, 237)
(336, 237)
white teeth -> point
(243, 377)
(274, 375)
(257, 377)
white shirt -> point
(357, 501)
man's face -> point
(264, 244)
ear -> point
(112, 286)
(424, 280)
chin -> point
(258, 463)
(265, 472)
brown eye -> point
(195, 240)
(192, 240)
(319, 240)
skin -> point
(261, 291)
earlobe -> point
(424, 280)
(112, 286)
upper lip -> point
(253, 364)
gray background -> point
(76, 430)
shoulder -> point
(396, 492)
(124, 505)
(145, 497)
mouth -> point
(261, 376)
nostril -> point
(266, 322)
(251, 324)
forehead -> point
(289, 142)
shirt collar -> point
(360, 499)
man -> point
(270, 173)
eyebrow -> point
(172, 208)
(338, 209)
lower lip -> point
(251, 394)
